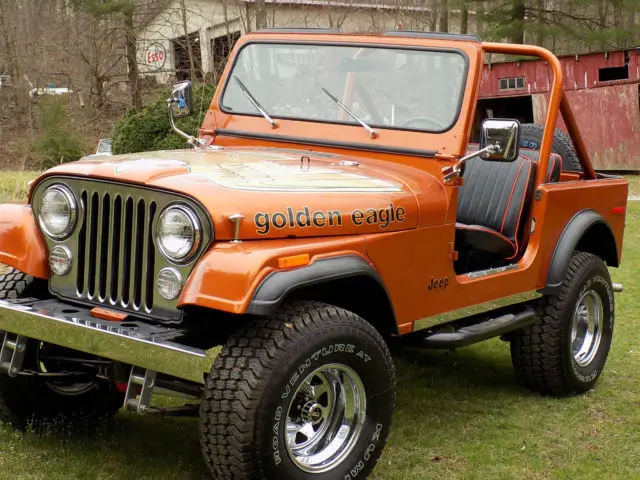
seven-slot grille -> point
(116, 252)
(115, 262)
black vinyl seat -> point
(555, 164)
(493, 202)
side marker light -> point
(293, 261)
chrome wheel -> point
(586, 328)
(325, 418)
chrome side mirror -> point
(500, 140)
(181, 102)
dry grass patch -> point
(14, 185)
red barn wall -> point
(608, 113)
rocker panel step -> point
(479, 332)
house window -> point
(512, 83)
(221, 49)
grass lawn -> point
(460, 415)
(13, 185)
(634, 184)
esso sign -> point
(154, 56)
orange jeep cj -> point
(331, 201)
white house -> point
(212, 26)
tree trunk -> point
(132, 61)
(99, 82)
(444, 16)
(630, 25)
(433, 23)
(617, 13)
(464, 17)
(9, 42)
(261, 14)
(603, 10)
(540, 23)
(480, 18)
(192, 64)
(517, 21)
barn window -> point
(512, 83)
(610, 74)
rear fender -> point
(586, 231)
(21, 245)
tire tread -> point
(536, 351)
(238, 378)
(562, 145)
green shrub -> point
(150, 129)
(56, 142)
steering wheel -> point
(428, 122)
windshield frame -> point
(381, 127)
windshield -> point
(384, 87)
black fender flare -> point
(569, 239)
(273, 290)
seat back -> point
(495, 194)
(555, 161)
(555, 164)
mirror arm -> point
(190, 138)
(490, 149)
(455, 171)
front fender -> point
(21, 245)
(273, 290)
(228, 275)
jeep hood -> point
(280, 193)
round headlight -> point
(178, 233)
(58, 212)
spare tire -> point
(531, 137)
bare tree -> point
(192, 65)
(261, 14)
(132, 57)
(518, 10)
(97, 44)
(480, 17)
(8, 50)
(464, 16)
(444, 16)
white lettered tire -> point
(305, 394)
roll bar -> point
(557, 102)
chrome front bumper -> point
(131, 342)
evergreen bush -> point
(150, 129)
(56, 143)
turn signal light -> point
(293, 261)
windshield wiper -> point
(254, 102)
(371, 131)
